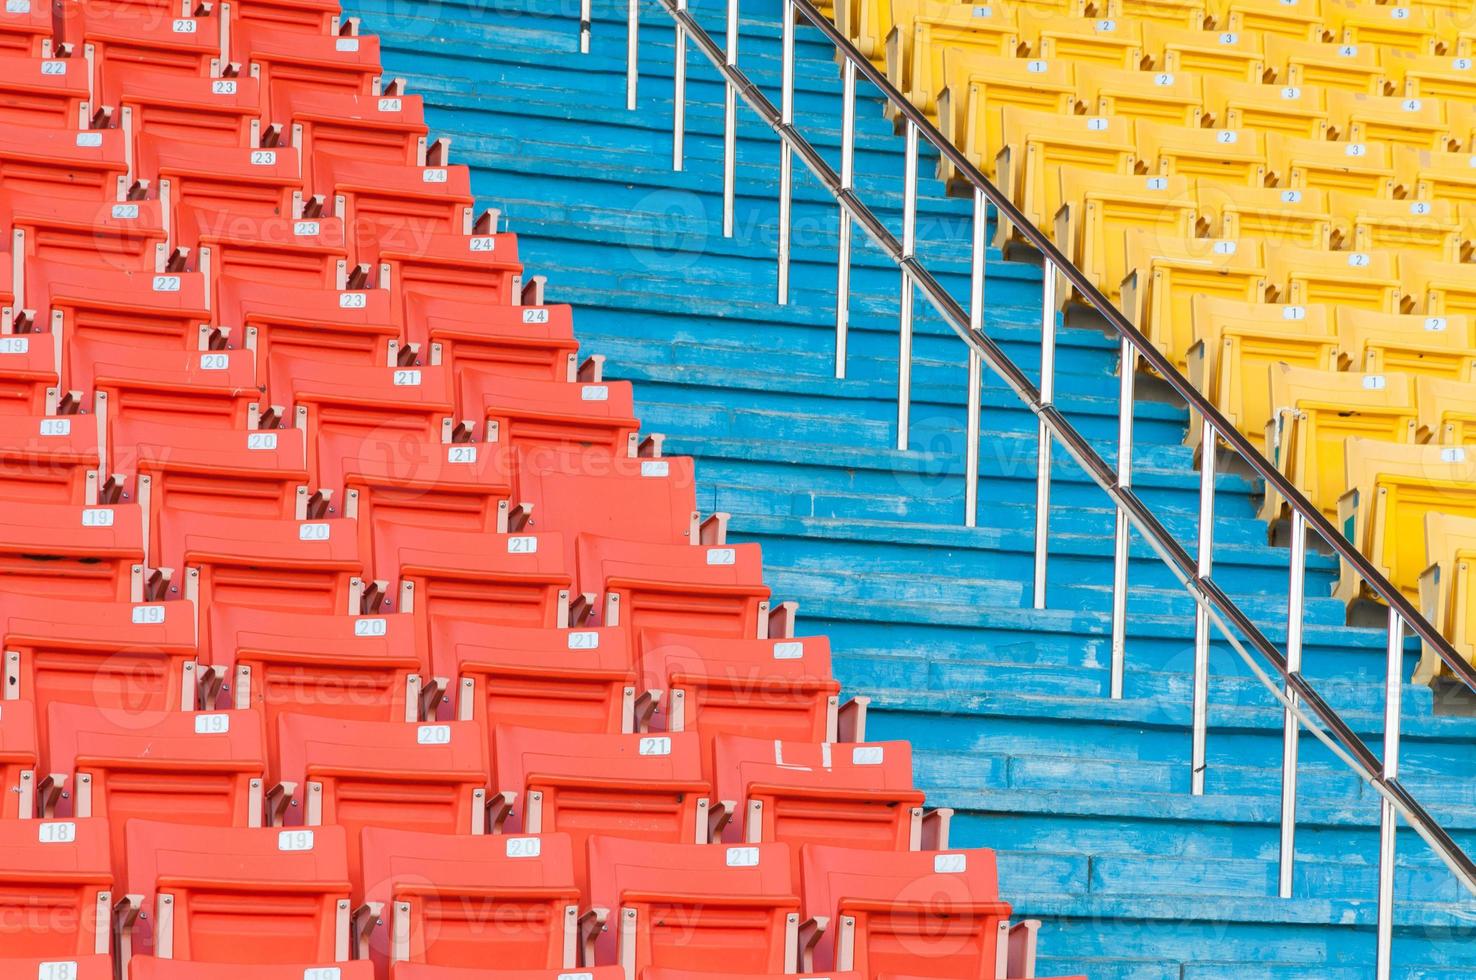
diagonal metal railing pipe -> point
(1302, 704)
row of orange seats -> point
(748, 909)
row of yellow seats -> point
(1239, 345)
(915, 47)
(970, 106)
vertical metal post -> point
(679, 93)
(584, 18)
(843, 230)
(786, 156)
(632, 44)
(1291, 729)
(1043, 432)
(976, 365)
(1122, 537)
(1201, 614)
(1389, 817)
(730, 123)
(904, 312)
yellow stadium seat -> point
(1360, 118)
(1366, 223)
(1434, 76)
(1296, 110)
(1298, 19)
(1038, 144)
(1235, 345)
(1354, 67)
(1363, 168)
(1279, 215)
(1438, 288)
(1448, 590)
(1369, 280)
(1437, 176)
(1162, 96)
(1384, 25)
(1447, 410)
(1232, 54)
(971, 108)
(872, 21)
(1098, 209)
(1414, 344)
(1314, 412)
(1165, 274)
(1391, 487)
(1183, 13)
(1103, 41)
(1230, 155)
(916, 56)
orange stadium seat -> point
(465, 902)
(91, 165)
(527, 413)
(121, 37)
(288, 251)
(390, 206)
(249, 473)
(694, 907)
(47, 968)
(878, 903)
(534, 342)
(59, 884)
(118, 657)
(154, 968)
(808, 793)
(388, 128)
(581, 680)
(220, 111)
(289, 62)
(416, 971)
(357, 668)
(477, 270)
(246, 182)
(29, 384)
(428, 777)
(657, 973)
(254, 561)
(19, 756)
(714, 685)
(122, 235)
(25, 27)
(189, 768)
(235, 895)
(648, 787)
(209, 388)
(50, 459)
(35, 93)
(282, 325)
(692, 588)
(70, 552)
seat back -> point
(154, 968)
(57, 881)
(1426, 346)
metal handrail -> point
(1295, 692)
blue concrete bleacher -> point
(1086, 799)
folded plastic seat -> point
(1368, 279)
(578, 680)
(645, 787)
(290, 62)
(711, 685)
(1176, 48)
(392, 207)
(716, 589)
(257, 896)
(417, 971)
(1316, 412)
(19, 757)
(529, 414)
(534, 342)
(1097, 210)
(501, 902)
(154, 968)
(1447, 409)
(974, 89)
(1297, 19)
(98, 234)
(920, 53)
(1299, 62)
(1425, 346)
(1436, 287)
(29, 383)
(254, 561)
(201, 769)
(51, 459)
(125, 659)
(211, 389)
(1392, 119)
(26, 27)
(1430, 228)
(88, 165)
(1229, 155)
(57, 880)
(1173, 97)
(1297, 110)
(69, 552)
(387, 127)
(659, 973)
(694, 907)
(429, 777)
(1330, 165)
(1105, 41)
(120, 37)
(476, 271)
(288, 252)
(239, 181)
(935, 911)
(856, 795)
(291, 16)
(43, 92)
(75, 968)
(1385, 26)
(198, 108)
(1436, 77)
(1272, 215)
(1236, 344)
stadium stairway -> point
(1085, 798)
